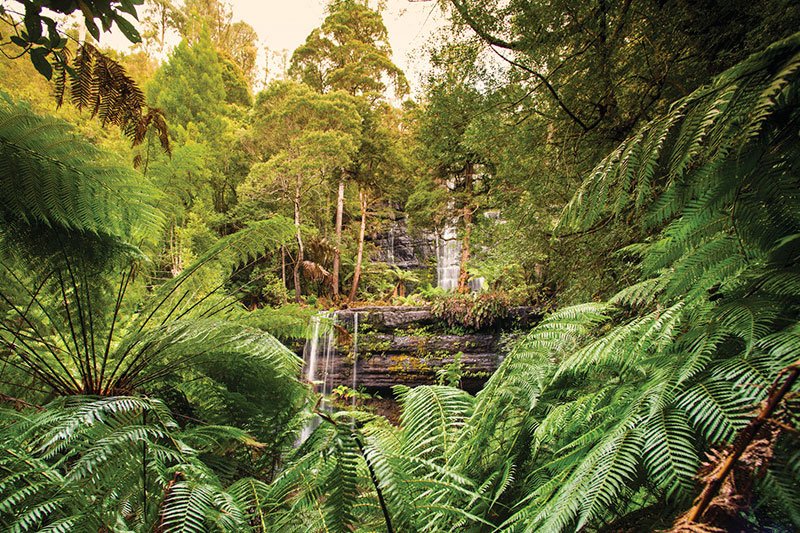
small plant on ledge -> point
(344, 395)
(450, 374)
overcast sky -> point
(285, 24)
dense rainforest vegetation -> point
(172, 216)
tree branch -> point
(776, 394)
(549, 86)
(462, 10)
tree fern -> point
(119, 462)
(79, 334)
(684, 361)
(52, 179)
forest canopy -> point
(551, 285)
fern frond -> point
(52, 178)
(101, 85)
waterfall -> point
(319, 355)
(355, 355)
(391, 245)
(320, 335)
(448, 258)
(329, 351)
(311, 350)
(448, 261)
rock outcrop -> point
(397, 247)
(409, 346)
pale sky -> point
(285, 24)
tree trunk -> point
(283, 270)
(362, 196)
(463, 275)
(176, 257)
(337, 253)
(299, 260)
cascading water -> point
(328, 350)
(355, 356)
(319, 355)
(390, 254)
(319, 348)
(311, 349)
(448, 258)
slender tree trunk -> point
(337, 253)
(463, 275)
(362, 195)
(283, 270)
(299, 260)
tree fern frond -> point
(52, 178)
(670, 453)
(187, 507)
(100, 84)
(715, 409)
(431, 419)
(710, 112)
(187, 291)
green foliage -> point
(302, 136)
(601, 416)
(29, 34)
(287, 322)
(349, 52)
(446, 126)
(575, 79)
(605, 411)
(102, 85)
(205, 93)
(425, 205)
(78, 333)
(190, 88)
(346, 395)
(430, 293)
(270, 288)
(236, 88)
(93, 79)
(82, 464)
(55, 181)
(692, 353)
(77, 324)
(287, 110)
(451, 373)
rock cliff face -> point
(407, 346)
(396, 247)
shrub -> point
(473, 311)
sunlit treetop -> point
(349, 52)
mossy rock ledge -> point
(408, 346)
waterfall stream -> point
(448, 258)
(355, 356)
(319, 349)
(448, 261)
(318, 362)
(390, 254)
